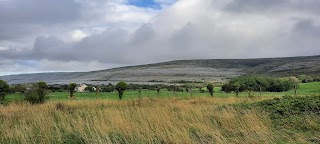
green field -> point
(304, 89)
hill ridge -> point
(194, 70)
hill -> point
(189, 70)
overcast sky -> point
(85, 35)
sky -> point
(86, 35)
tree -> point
(72, 86)
(139, 93)
(37, 93)
(158, 90)
(97, 91)
(121, 87)
(236, 86)
(89, 88)
(210, 88)
(189, 88)
(4, 89)
(18, 88)
(296, 82)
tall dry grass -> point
(199, 120)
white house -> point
(81, 88)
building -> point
(81, 88)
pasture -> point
(169, 118)
(304, 89)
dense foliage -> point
(18, 88)
(4, 89)
(107, 88)
(37, 93)
(258, 83)
(72, 87)
(308, 79)
(121, 87)
(210, 88)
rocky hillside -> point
(189, 70)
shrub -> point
(4, 89)
(37, 93)
(292, 111)
(89, 88)
(72, 86)
(258, 83)
(158, 90)
(121, 87)
(210, 88)
(18, 88)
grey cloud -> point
(273, 6)
(144, 34)
(308, 28)
(182, 34)
(20, 19)
(255, 5)
(38, 11)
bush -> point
(18, 88)
(72, 86)
(210, 89)
(108, 88)
(258, 83)
(292, 111)
(4, 89)
(37, 93)
(121, 87)
(89, 88)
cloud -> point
(110, 33)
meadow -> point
(304, 89)
(170, 118)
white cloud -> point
(77, 35)
(113, 32)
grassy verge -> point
(193, 120)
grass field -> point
(194, 120)
(172, 118)
(304, 89)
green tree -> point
(37, 93)
(18, 88)
(210, 88)
(89, 88)
(236, 86)
(4, 89)
(121, 87)
(72, 86)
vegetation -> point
(308, 78)
(292, 110)
(108, 88)
(158, 91)
(197, 120)
(179, 119)
(37, 93)
(89, 88)
(72, 87)
(18, 88)
(289, 114)
(4, 89)
(121, 87)
(258, 83)
(210, 88)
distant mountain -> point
(189, 70)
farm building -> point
(81, 88)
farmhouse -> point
(81, 88)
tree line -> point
(260, 83)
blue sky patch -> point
(145, 3)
